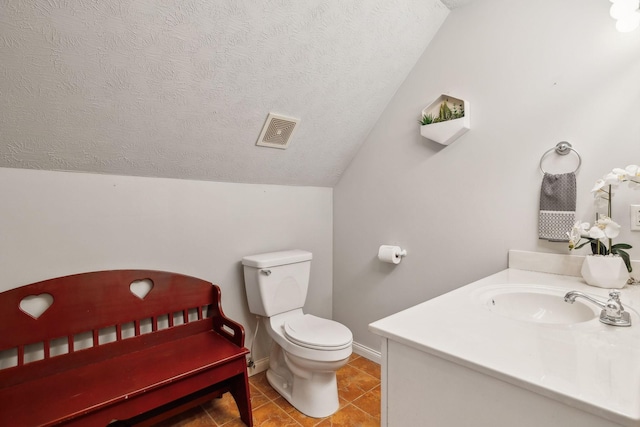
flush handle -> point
(266, 272)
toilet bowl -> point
(303, 363)
(307, 350)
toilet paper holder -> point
(402, 253)
(391, 254)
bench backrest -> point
(96, 315)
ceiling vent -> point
(277, 131)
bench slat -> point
(88, 301)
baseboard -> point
(368, 353)
(259, 366)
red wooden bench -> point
(103, 350)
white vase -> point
(604, 271)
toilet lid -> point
(317, 333)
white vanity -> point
(507, 351)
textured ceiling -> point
(181, 89)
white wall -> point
(55, 223)
(535, 73)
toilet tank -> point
(276, 282)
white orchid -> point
(579, 230)
(604, 230)
(633, 175)
(630, 174)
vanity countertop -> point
(587, 365)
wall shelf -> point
(446, 132)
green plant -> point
(458, 113)
(445, 113)
(427, 119)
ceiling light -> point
(621, 8)
(628, 23)
(626, 13)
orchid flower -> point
(633, 175)
(579, 230)
(599, 185)
(604, 228)
(615, 177)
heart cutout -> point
(36, 305)
(141, 288)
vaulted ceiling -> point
(182, 89)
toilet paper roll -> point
(391, 254)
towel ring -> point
(562, 148)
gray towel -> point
(557, 206)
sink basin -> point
(537, 304)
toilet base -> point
(315, 394)
(316, 400)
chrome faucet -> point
(612, 311)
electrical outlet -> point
(635, 217)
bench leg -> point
(239, 388)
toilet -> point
(307, 350)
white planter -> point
(604, 271)
(446, 132)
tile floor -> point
(358, 391)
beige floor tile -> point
(353, 383)
(234, 423)
(222, 410)
(370, 402)
(258, 398)
(350, 416)
(304, 420)
(366, 365)
(271, 415)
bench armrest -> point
(224, 326)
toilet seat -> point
(317, 333)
